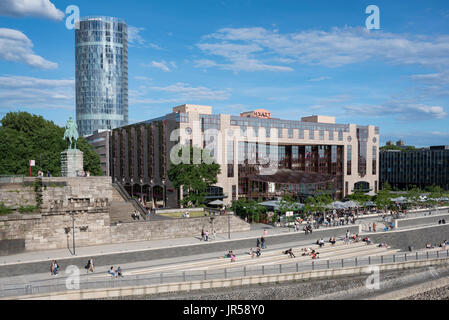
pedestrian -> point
(119, 272)
(251, 252)
(207, 235)
(90, 265)
(258, 252)
(369, 227)
(262, 242)
(214, 235)
(258, 243)
(202, 234)
(374, 227)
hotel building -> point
(261, 157)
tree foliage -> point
(247, 208)
(25, 137)
(194, 176)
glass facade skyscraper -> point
(101, 73)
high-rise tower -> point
(101, 73)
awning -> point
(216, 203)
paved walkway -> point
(257, 230)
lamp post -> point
(73, 231)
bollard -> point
(263, 270)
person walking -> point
(258, 243)
(207, 235)
(262, 242)
(90, 265)
(374, 226)
(214, 234)
(202, 234)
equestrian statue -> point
(71, 133)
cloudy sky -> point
(294, 58)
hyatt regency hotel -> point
(261, 157)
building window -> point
(331, 135)
(374, 159)
(279, 132)
(340, 135)
(243, 131)
(311, 134)
(321, 134)
(348, 160)
(301, 134)
(290, 133)
(267, 132)
(346, 188)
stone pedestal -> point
(72, 163)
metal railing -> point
(91, 281)
(135, 203)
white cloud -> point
(30, 8)
(179, 92)
(136, 40)
(334, 48)
(319, 79)
(400, 110)
(241, 57)
(15, 46)
(162, 65)
(27, 92)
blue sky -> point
(294, 58)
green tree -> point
(25, 137)
(288, 203)
(247, 208)
(195, 174)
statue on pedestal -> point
(71, 132)
(72, 158)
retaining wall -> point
(420, 221)
(417, 238)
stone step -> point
(121, 211)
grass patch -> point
(4, 210)
(178, 214)
(27, 209)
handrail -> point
(125, 195)
(60, 285)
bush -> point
(4, 209)
(27, 209)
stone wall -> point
(420, 221)
(14, 195)
(417, 238)
(174, 228)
